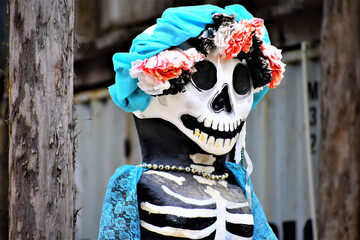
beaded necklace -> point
(194, 171)
(184, 169)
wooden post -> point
(41, 161)
(4, 178)
(4, 131)
(339, 166)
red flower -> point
(240, 41)
(169, 64)
(277, 66)
(153, 73)
(242, 38)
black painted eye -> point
(205, 76)
(241, 79)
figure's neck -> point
(162, 143)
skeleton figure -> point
(210, 114)
(187, 132)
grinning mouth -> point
(217, 130)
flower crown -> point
(168, 71)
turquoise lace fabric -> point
(120, 215)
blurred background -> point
(283, 132)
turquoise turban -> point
(175, 26)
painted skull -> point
(222, 67)
(213, 106)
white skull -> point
(214, 106)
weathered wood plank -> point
(41, 161)
(339, 179)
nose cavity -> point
(222, 101)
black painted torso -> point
(154, 190)
(151, 189)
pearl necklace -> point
(184, 169)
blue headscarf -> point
(175, 26)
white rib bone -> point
(221, 213)
(178, 211)
(169, 176)
(206, 169)
(205, 159)
(237, 218)
(233, 205)
(178, 232)
(229, 205)
(203, 180)
(196, 213)
(223, 183)
(188, 200)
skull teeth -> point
(210, 140)
(215, 125)
(196, 132)
(227, 143)
(207, 123)
(219, 143)
(203, 137)
(201, 119)
(205, 128)
(233, 140)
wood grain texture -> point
(41, 161)
(339, 166)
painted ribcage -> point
(174, 206)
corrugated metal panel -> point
(276, 144)
(104, 131)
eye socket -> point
(241, 79)
(205, 76)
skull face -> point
(213, 108)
